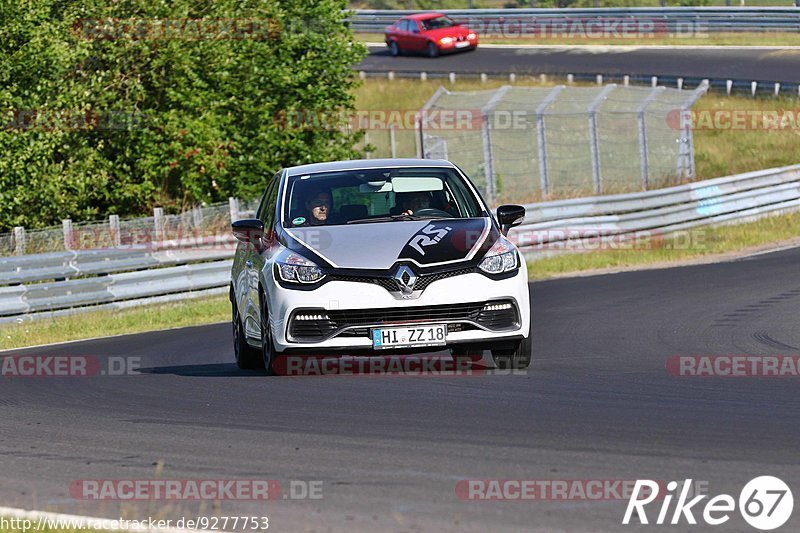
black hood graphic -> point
(445, 241)
(379, 246)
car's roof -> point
(362, 164)
(424, 16)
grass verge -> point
(721, 241)
(700, 39)
(191, 312)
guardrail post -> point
(113, 224)
(233, 208)
(643, 154)
(19, 240)
(486, 134)
(393, 140)
(541, 138)
(367, 152)
(66, 226)
(158, 226)
(594, 143)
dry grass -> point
(687, 246)
(106, 323)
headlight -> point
(502, 257)
(294, 268)
(471, 36)
(446, 40)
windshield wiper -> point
(391, 218)
(381, 219)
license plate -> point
(400, 337)
(462, 44)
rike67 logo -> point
(765, 503)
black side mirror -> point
(249, 231)
(509, 216)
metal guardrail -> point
(729, 199)
(733, 198)
(82, 263)
(17, 301)
(665, 19)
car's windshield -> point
(377, 195)
(438, 22)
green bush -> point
(119, 120)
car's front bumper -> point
(447, 48)
(345, 295)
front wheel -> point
(394, 49)
(247, 358)
(267, 346)
(518, 358)
(433, 50)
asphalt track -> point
(597, 404)
(760, 64)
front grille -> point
(497, 315)
(426, 279)
(388, 282)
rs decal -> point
(431, 236)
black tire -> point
(247, 358)
(464, 355)
(433, 50)
(518, 358)
(267, 346)
(394, 49)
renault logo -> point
(405, 279)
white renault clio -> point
(378, 257)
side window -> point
(403, 25)
(413, 27)
(267, 210)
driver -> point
(318, 208)
(415, 201)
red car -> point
(429, 33)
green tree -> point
(116, 106)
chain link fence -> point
(193, 225)
(523, 144)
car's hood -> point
(452, 31)
(378, 246)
